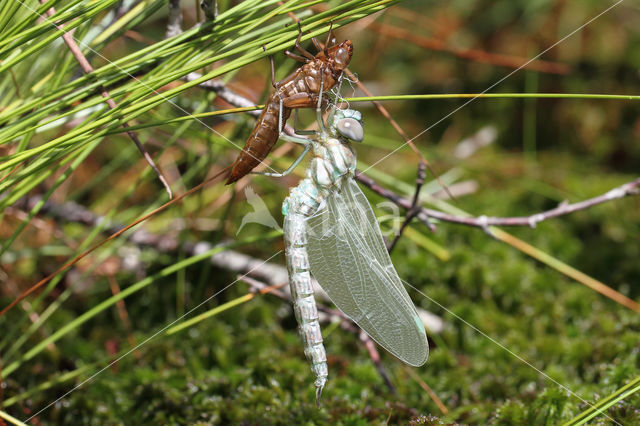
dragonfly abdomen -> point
(261, 140)
(297, 209)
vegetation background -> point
(501, 302)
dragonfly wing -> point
(348, 257)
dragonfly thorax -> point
(332, 160)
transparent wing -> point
(349, 259)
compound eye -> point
(350, 128)
(342, 58)
(343, 55)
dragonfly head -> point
(340, 55)
(348, 123)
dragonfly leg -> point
(280, 121)
(273, 70)
(300, 100)
(332, 110)
(295, 139)
(296, 123)
(295, 57)
(293, 166)
(317, 44)
(321, 126)
(305, 132)
(289, 138)
(298, 131)
(299, 47)
(305, 100)
(285, 137)
(290, 102)
(332, 113)
(329, 34)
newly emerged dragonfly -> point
(332, 234)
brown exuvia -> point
(298, 90)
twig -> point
(484, 222)
(415, 208)
(174, 26)
(262, 288)
(123, 313)
(224, 93)
(428, 390)
(87, 69)
(210, 9)
(231, 97)
(375, 358)
(630, 188)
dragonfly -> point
(331, 233)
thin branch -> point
(428, 390)
(628, 189)
(174, 26)
(415, 207)
(210, 9)
(87, 68)
(484, 222)
(224, 93)
(375, 357)
(258, 286)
